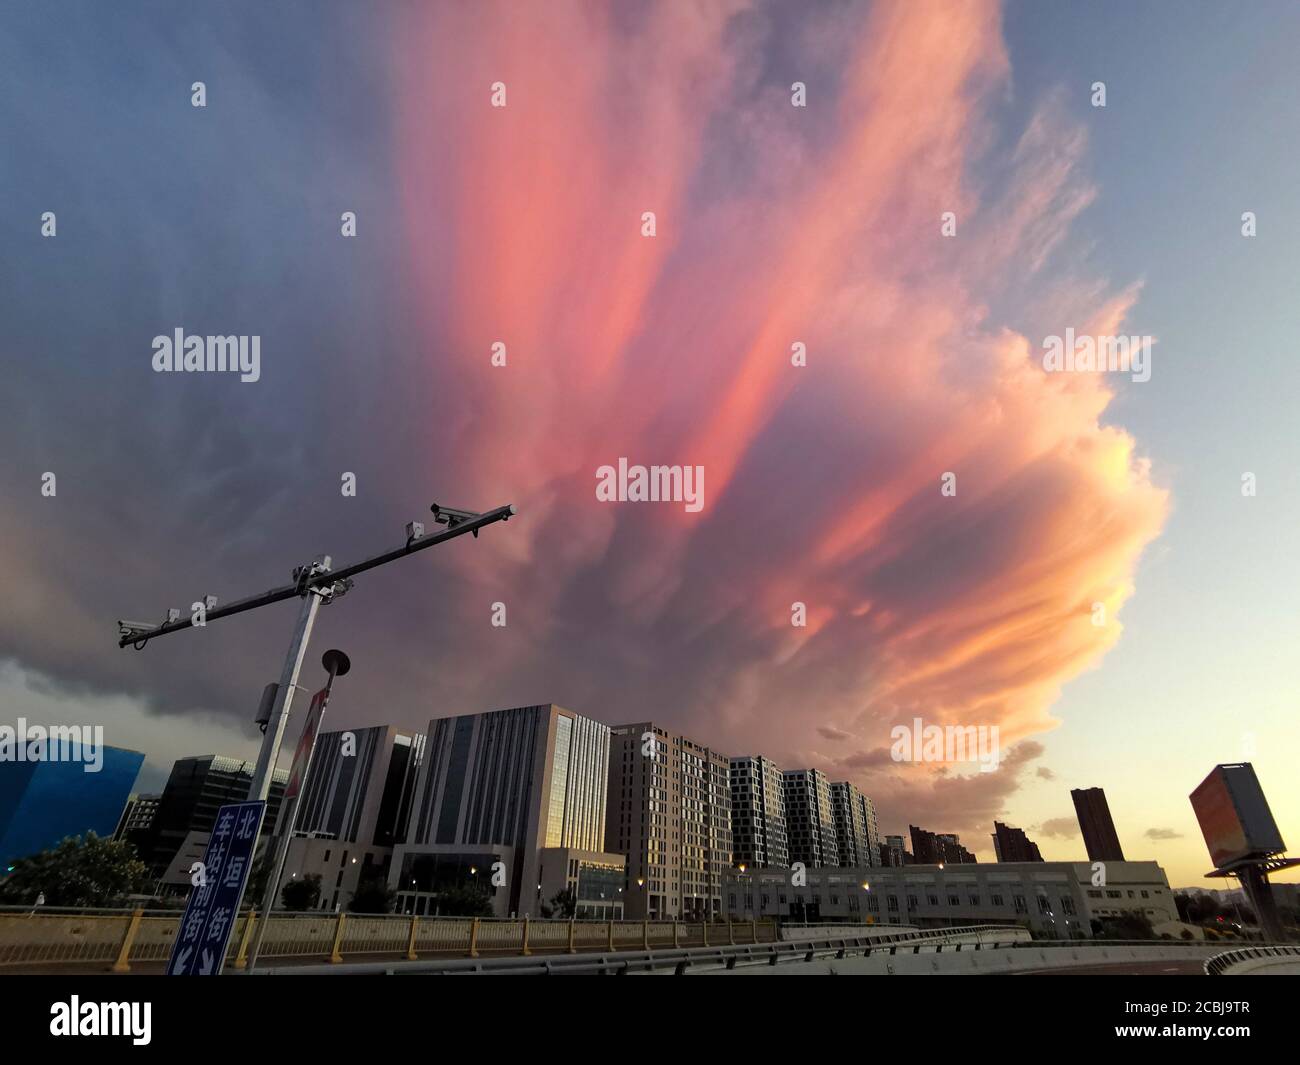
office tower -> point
(137, 818)
(196, 789)
(1012, 845)
(1098, 829)
(355, 805)
(669, 811)
(510, 796)
(893, 852)
(938, 848)
(856, 831)
(361, 786)
(809, 818)
(758, 831)
(43, 802)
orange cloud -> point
(775, 225)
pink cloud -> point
(775, 224)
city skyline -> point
(985, 853)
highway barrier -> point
(1278, 960)
(115, 939)
(683, 959)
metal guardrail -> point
(1221, 963)
(116, 938)
(680, 959)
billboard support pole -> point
(1254, 881)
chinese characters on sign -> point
(204, 932)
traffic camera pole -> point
(315, 584)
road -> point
(1166, 967)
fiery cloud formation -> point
(775, 225)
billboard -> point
(1234, 815)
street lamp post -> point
(336, 664)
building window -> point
(1044, 904)
(1020, 904)
(996, 900)
(1067, 906)
(893, 903)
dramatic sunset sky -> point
(776, 225)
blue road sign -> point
(200, 947)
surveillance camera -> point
(173, 615)
(133, 628)
(451, 517)
(414, 530)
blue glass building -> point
(43, 802)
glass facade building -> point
(517, 780)
(196, 789)
(42, 803)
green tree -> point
(301, 893)
(373, 896)
(563, 904)
(80, 871)
(258, 877)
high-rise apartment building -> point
(809, 818)
(1012, 845)
(938, 848)
(953, 851)
(1098, 829)
(668, 810)
(856, 831)
(758, 831)
(893, 852)
(500, 793)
